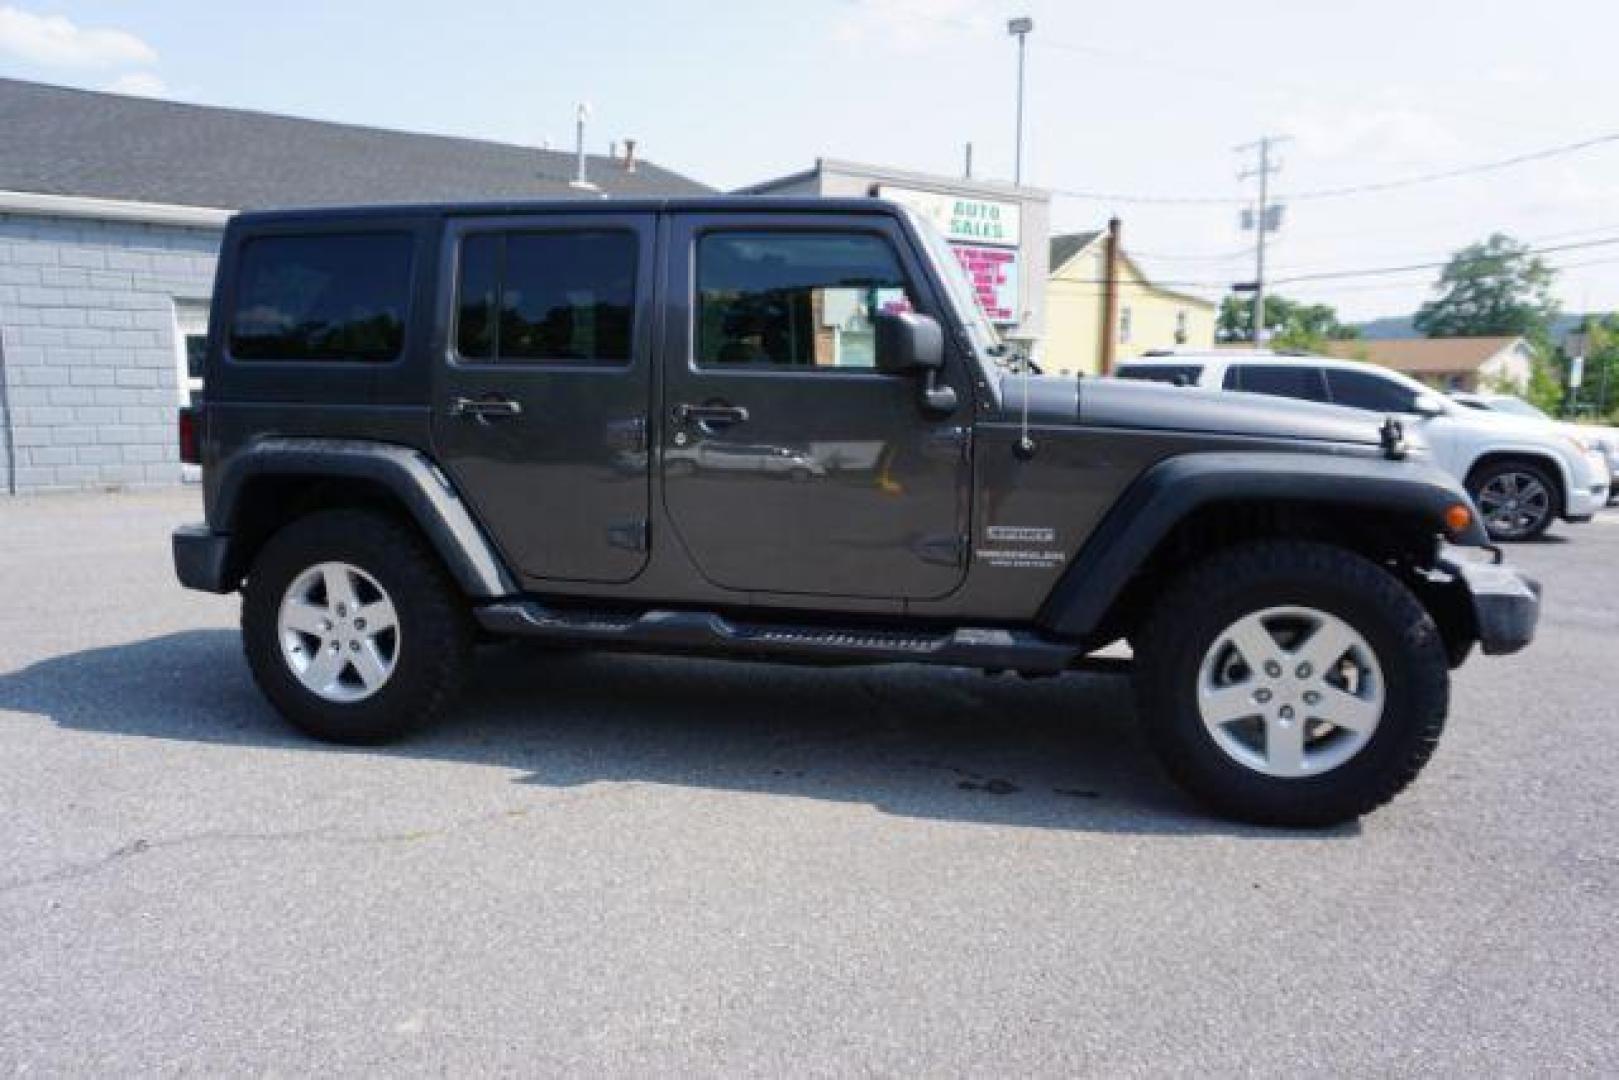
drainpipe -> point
(1110, 297)
(5, 414)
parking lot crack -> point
(143, 846)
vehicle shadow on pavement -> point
(921, 742)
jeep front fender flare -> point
(1165, 494)
(408, 474)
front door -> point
(546, 379)
(790, 464)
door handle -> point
(488, 408)
(715, 415)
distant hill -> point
(1399, 326)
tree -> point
(1599, 388)
(1289, 324)
(1496, 287)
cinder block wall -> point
(91, 362)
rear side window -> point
(1174, 374)
(1364, 390)
(552, 297)
(1278, 380)
(327, 297)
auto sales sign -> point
(983, 233)
(961, 219)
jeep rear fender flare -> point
(420, 487)
(1168, 492)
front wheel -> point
(1291, 683)
(352, 628)
(1517, 499)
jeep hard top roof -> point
(699, 204)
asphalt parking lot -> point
(613, 864)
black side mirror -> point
(909, 343)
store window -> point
(191, 347)
(798, 300)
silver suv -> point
(1521, 473)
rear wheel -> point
(352, 628)
(1517, 499)
(1291, 683)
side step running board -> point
(705, 632)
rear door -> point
(545, 382)
(790, 464)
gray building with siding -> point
(111, 213)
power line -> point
(1380, 271)
(1428, 252)
(1338, 275)
(1351, 189)
(1452, 174)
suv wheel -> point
(352, 628)
(1291, 683)
(1516, 499)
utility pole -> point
(1019, 28)
(1267, 219)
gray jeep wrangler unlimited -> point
(782, 430)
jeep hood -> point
(1142, 405)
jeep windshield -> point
(986, 342)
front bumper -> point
(1505, 602)
(202, 559)
(1585, 502)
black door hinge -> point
(628, 435)
(942, 550)
(630, 535)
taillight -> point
(190, 435)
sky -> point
(1135, 101)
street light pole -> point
(1019, 28)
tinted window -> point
(479, 295)
(566, 297)
(1178, 374)
(1278, 380)
(328, 297)
(1364, 390)
(803, 300)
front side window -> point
(798, 300)
(552, 297)
(1279, 380)
(1363, 390)
(331, 297)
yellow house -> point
(1100, 307)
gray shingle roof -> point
(58, 141)
(1068, 245)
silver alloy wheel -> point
(339, 633)
(1290, 691)
(1514, 504)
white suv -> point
(1602, 438)
(1520, 473)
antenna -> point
(581, 178)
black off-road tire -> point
(1212, 596)
(1481, 477)
(435, 627)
